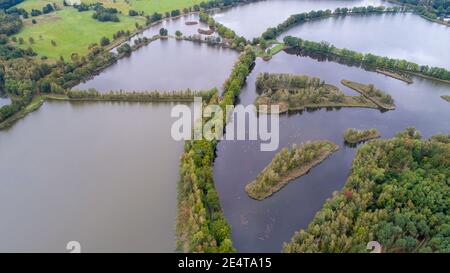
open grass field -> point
(72, 31)
(28, 5)
(148, 6)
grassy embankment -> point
(296, 93)
(447, 98)
(354, 136)
(384, 101)
(395, 75)
(288, 165)
(33, 106)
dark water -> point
(404, 36)
(167, 65)
(103, 174)
(253, 19)
(265, 225)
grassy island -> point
(297, 92)
(397, 194)
(353, 136)
(383, 100)
(447, 98)
(288, 165)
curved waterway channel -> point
(105, 174)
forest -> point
(297, 92)
(354, 136)
(287, 165)
(201, 224)
(396, 194)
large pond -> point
(251, 20)
(404, 36)
(167, 65)
(265, 225)
(103, 174)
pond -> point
(167, 65)
(403, 36)
(263, 226)
(4, 101)
(251, 20)
(103, 174)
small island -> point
(447, 98)
(287, 165)
(383, 100)
(395, 75)
(354, 136)
(298, 92)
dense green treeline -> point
(235, 41)
(397, 194)
(201, 224)
(296, 19)
(5, 4)
(288, 164)
(354, 136)
(369, 60)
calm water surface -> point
(265, 225)
(251, 20)
(4, 101)
(167, 65)
(404, 36)
(103, 174)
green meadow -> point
(72, 32)
(148, 6)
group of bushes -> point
(354, 136)
(201, 224)
(105, 14)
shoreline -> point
(289, 176)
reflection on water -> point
(251, 20)
(4, 101)
(265, 225)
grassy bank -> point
(31, 107)
(447, 98)
(382, 100)
(354, 136)
(288, 165)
